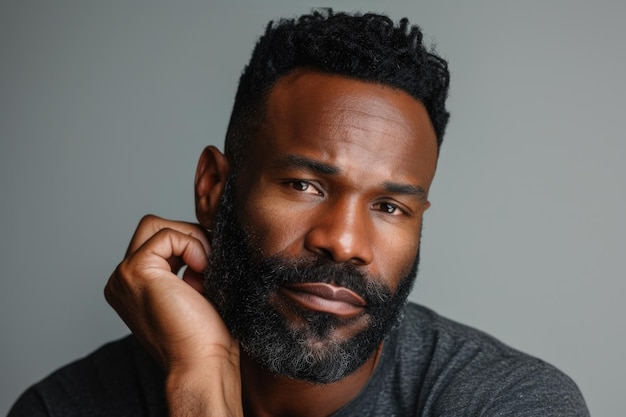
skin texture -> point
(374, 138)
(340, 169)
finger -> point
(151, 262)
(166, 244)
(151, 224)
(194, 279)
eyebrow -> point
(406, 189)
(302, 162)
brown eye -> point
(300, 185)
(304, 187)
(388, 208)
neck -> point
(266, 394)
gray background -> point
(106, 105)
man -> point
(293, 302)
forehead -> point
(347, 123)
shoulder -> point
(464, 367)
(117, 379)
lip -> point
(326, 298)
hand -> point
(169, 316)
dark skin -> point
(340, 169)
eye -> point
(305, 187)
(388, 208)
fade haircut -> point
(368, 47)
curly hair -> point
(368, 47)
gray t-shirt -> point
(430, 366)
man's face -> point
(315, 249)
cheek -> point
(273, 229)
(396, 256)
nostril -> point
(357, 261)
(325, 253)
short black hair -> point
(367, 47)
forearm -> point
(210, 391)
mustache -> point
(277, 271)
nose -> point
(342, 231)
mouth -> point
(326, 298)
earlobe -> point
(211, 175)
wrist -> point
(208, 388)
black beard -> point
(241, 283)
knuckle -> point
(108, 292)
(148, 219)
(163, 234)
(112, 289)
(122, 273)
(166, 231)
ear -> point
(211, 175)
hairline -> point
(259, 109)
